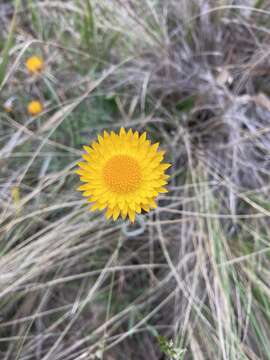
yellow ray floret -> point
(123, 174)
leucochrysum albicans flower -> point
(34, 64)
(34, 107)
(8, 104)
(123, 174)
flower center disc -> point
(122, 174)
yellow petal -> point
(131, 215)
(108, 214)
(145, 207)
(162, 190)
(88, 149)
(124, 213)
(122, 132)
(116, 213)
(143, 137)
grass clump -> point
(195, 76)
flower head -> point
(34, 64)
(8, 105)
(123, 173)
(35, 107)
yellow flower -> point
(15, 194)
(123, 173)
(35, 107)
(34, 64)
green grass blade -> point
(8, 44)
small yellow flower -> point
(35, 107)
(34, 64)
(123, 173)
(15, 194)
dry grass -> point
(195, 75)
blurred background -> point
(191, 279)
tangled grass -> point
(192, 277)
